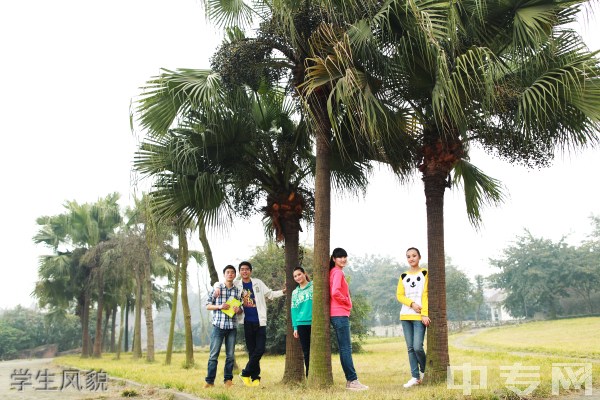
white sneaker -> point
(422, 375)
(412, 382)
(355, 385)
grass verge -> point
(384, 367)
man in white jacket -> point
(254, 292)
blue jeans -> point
(341, 325)
(414, 334)
(216, 340)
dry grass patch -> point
(383, 366)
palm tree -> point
(150, 238)
(80, 229)
(245, 145)
(510, 76)
(280, 52)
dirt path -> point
(41, 379)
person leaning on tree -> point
(340, 307)
(412, 292)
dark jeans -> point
(414, 334)
(256, 338)
(304, 336)
(341, 325)
(217, 337)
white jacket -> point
(260, 292)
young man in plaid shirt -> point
(224, 327)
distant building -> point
(494, 298)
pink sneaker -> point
(355, 385)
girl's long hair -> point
(337, 252)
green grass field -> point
(383, 366)
(578, 337)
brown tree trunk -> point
(320, 373)
(122, 328)
(148, 308)
(113, 329)
(126, 333)
(210, 262)
(107, 314)
(98, 339)
(185, 304)
(137, 324)
(85, 325)
(294, 358)
(174, 302)
(437, 333)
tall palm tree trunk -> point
(99, 313)
(438, 360)
(210, 262)
(113, 329)
(107, 314)
(122, 329)
(174, 304)
(320, 374)
(205, 318)
(137, 324)
(148, 309)
(126, 344)
(85, 325)
(294, 359)
(185, 304)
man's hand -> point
(296, 334)
(237, 310)
(216, 292)
(224, 306)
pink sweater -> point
(341, 304)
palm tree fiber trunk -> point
(294, 358)
(185, 305)
(438, 359)
(320, 373)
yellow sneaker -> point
(256, 383)
(246, 379)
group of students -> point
(231, 299)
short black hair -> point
(246, 263)
(229, 267)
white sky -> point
(70, 69)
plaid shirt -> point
(220, 319)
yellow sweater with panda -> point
(412, 287)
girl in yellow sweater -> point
(412, 293)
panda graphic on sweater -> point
(414, 286)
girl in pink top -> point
(341, 304)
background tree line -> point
(376, 277)
(541, 276)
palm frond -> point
(228, 13)
(479, 188)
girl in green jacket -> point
(302, 311)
